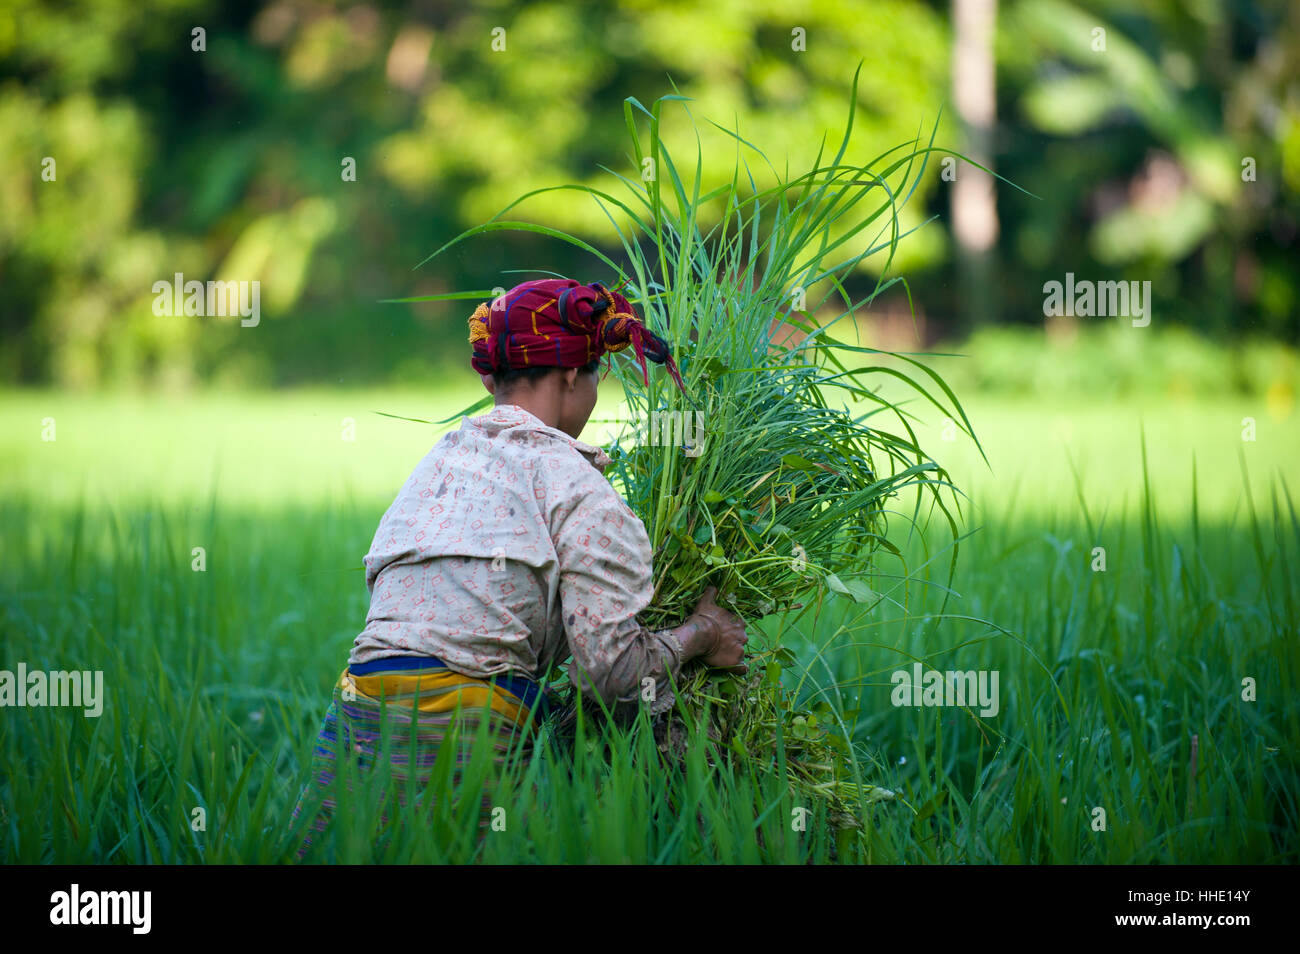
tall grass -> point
(216, 683)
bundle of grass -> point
(755, 483)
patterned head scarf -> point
(556, 322)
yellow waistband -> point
(441, 691)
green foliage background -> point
(228, 161)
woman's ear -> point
(570, 378)
(489, 383)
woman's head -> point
(542, 341)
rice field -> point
(204, 554)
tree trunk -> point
(974, 207)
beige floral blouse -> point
(507, 550)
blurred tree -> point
(1156, 134)
(974, 206)
(323, 147)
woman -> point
(508, 551)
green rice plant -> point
(215, 682)
(764, 487)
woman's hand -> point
(721, 635)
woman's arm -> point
(605, 581)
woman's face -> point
(577, 402)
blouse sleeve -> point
(605, 581)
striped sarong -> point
(410, 709)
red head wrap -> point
(556, 322)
